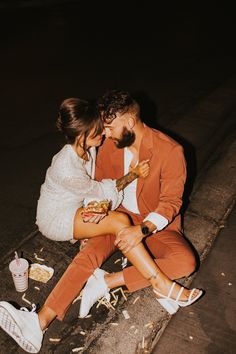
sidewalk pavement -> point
(107, 330)
(209, 327)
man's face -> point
(118, 131)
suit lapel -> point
(145, 153)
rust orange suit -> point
(160, 192)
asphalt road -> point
(208, 327)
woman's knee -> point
(120, 218)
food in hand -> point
(95, 207)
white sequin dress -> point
(68, 186)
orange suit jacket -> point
(162, 190)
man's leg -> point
(171, 252)
(97, 250)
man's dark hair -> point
(117, 101)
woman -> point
(69, 183)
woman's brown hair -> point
(79, 117)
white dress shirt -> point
(130, 199)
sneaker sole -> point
(9, 325)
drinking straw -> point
(17, 259)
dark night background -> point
(51, 50)
(169, 54)
(172, 56)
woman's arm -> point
(141, 170)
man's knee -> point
(186, 264)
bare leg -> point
(111, 224)
(138, 256)
(143, 262)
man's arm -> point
(172, 181)
(141, 170)
(173, 176)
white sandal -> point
(172, 305)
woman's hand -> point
(92, 217)
(95, 211)
(142, 169)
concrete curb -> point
(203, 220)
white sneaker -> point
(22, 326)
(95, 289)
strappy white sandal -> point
(172, 305)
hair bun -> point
(59, 124)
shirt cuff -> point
(158, 220)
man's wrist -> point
(145, 229)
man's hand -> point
(142, 169)
(128, 238)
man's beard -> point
(127, 138)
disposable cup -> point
(19, 269)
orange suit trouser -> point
(170, 250)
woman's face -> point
(94, 140)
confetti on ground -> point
(41, 250)
(132, 327)
(149, 325)
(143, 343)
(105, 302)
(76, 350)
(191, 312)
(36, 288)
(117, 290)
(117, 260)
(77, 298)
(223, 274)
(126, 314)
(230, 284)
(82, 332)
(38, 258)
(135, 300)
(25, 300)
(56, 340)
(190, 337)
(114, 302)
(124, 262)
(114, 324)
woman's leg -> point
(143, 262)
(138, 256)
(111, 224)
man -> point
(154, 207)
(154, 203)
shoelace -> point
(32, 310)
